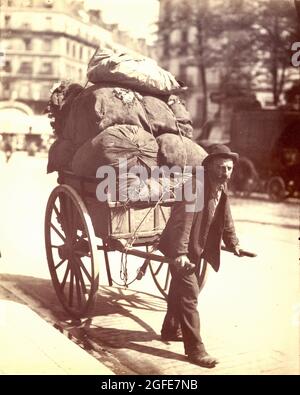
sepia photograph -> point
(149, 190)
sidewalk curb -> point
(38, 314)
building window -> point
(28, 44)
(24, 92)
(7, 66)
(26, 26)
(184, 42)
(6, 90)
(74, 51)
(182, 76)
(9, 3)
(46, 68)
(25, 68)
(27, 3)
(48, 3)
(168, 9)
(166, 45)
(48, 23)
(47, 45)
(6, 85)
(199, 111)
(7, 20)
(184, 36)
(236, 4)
(44, 92)
(80, 52)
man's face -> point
(220, 170)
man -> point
(189, 237)
(8, 149)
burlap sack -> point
(131, 71)
(119, 142)
(179, 151)
(60, 155)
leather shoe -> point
(203, 359)
(172, 336)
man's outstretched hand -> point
(183, 264)
(237, 250)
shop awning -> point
(14, 121)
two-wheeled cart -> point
(79, 230)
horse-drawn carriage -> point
(268, 142)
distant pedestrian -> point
(8, 150)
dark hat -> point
(220, 151)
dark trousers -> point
(182, 309)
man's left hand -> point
(183, 264)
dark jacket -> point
(199, 233)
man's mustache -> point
(224, 178)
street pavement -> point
(30, 345)
(249, 310)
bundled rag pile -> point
(130, 112)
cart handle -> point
(242, 252)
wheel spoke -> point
(57, 231)
(71, 222)
(78, 290)
(167, 279)
(162, 281)
(69, 218)
(159, 268)
(63, 283)
(60, 263)
(74, 222)
(80, 277)
(85, 271)
(57, 212)
(71, 288)
(202, 277)
(163, 214)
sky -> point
(135, 16)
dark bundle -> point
(59, 104)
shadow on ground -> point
(120, 321)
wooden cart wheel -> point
(276, 189)
(71, 251)
(162, 276)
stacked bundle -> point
(130, 112)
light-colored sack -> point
(131, 71)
